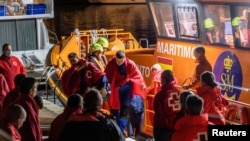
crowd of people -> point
(107, 97)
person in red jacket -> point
(156, 79)
(74, 106)
(14, 119)
(182, 112)
(194, 125)
(15, 93)
(214, 101)
(72, 75)
(10, 65)
(4, 89)
(166, 106)
(128, 90)
(30, 131)
(202, 65)
(85, 75)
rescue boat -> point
(176, 38)
(79, 42)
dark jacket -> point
(91, 127)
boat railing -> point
(98, 31)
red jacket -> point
(116, 80)
(91, 74)
(191, 128)
(11, 96)
(11, 130)
(212, 103)
(72, 78)
(203, 65)
(166, 105)
(4, 89)
(30, 131)
(156, 77)
(10, 67)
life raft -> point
(15, 7)
(236, 114)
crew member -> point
(10, 65)
(202, 65)
(166, 106)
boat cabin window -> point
(217, 24)
(241, 26)
(212, 24)
(163, 18)
(187, 22)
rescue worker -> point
(92, 124)
(241, 33)
(236, 31)
(183, 98)
(156, 79)
(95, 56)
(104, 42)
(202, 65)
(105, 45)
(99, 59)
(214, 101)
(128, 90)
(10, 65)
(194, 125)
(166, 106)
(214, 34)
(85, 75)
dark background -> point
(130, 17)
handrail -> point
(101, 30)
(84, 32)
(239, 103)
(235, 87)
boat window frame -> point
(197, 17)
(234, 10)
(159, 26)
(219, 23)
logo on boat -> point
(228, 74)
